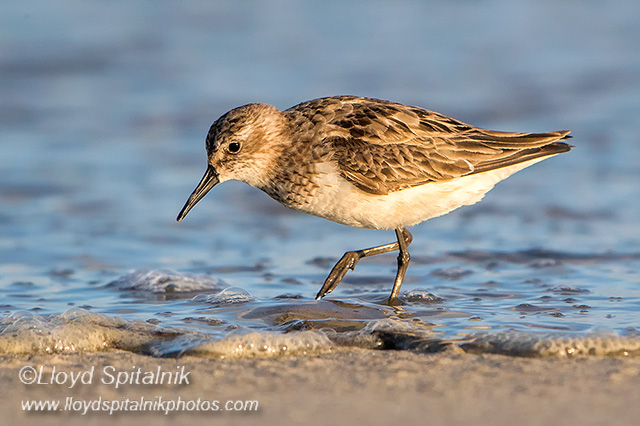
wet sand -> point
(348, 386)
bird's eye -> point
(234, 147)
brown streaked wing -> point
(383, 147)
(380, 169)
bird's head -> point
(241, 145)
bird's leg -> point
(403, 262)
(351, 258)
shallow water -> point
(103, 114)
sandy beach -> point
(343, 387)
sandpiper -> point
(366, 163)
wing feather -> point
(382, 146)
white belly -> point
(340, 201)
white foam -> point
(553, 345)
(76, 330)
(228, 296)
(399, 334)
(167, 281)
(420, 296)
(261, 345)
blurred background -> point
(104, 107)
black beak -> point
(208, 181)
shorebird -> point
(366, 163)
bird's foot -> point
(348, 261)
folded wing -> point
(383, 147)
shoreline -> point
(343, 386)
